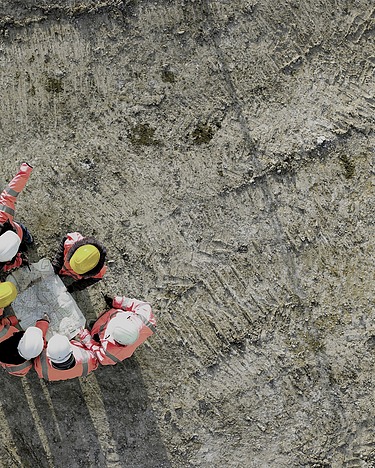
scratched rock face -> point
(223, 151)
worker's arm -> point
(132, 305)
(92, 361)
(9, 195)
(97, 348)
(140, 308)
(16, 262)
(43, 324)
(58, 260)
(10, 320)
(87, 340)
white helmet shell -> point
(9, 244)
(59, 349)
(31, 344)
(125, 330)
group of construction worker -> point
(110, 339)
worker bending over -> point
(119, 331)
(14, 237)
(64, 360)
(81, 258)
(17, 352)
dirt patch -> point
(223, 153)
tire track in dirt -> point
(277, 226)
(56, 11)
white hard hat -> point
(31, 344)
(124, 329)
(59, 348)
(9, 244)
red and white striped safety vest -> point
(109, 353)
(86, 362)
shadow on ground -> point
(83, 422)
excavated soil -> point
(223, 151)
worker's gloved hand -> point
(84, 336)
(108, 300)
(46, 317)
(76, 337)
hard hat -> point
(59, 349)
(84, 259)
(124, 330)
(8, 292)
(31, 344)
(9, 243)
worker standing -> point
(81, 258)
(118, 332)
(17, 352)
(64, 360)
(14, 237)
(8, 325)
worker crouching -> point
(64, 360)
(18, 351)
(119, 331)
(81, 258)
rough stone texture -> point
(224, 153)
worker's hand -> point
(46, 317)
(86, 340)
(77, 337)
(108, 300)
(84, 336)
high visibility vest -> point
(9, 195)
(17, 369)
(7, 326)
(86, 362)
(17, 262)
(23, 368)
(66, 270)
(109, 353)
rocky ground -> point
(223, 151)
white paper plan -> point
(41, 291)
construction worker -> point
(64, 359)
(81, 258)
(14, 237)
(8, 325)
(118, 332)
(17, 352)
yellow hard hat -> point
(84, 259)
(8, 293)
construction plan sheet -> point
(41, 291)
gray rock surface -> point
(223, 151)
